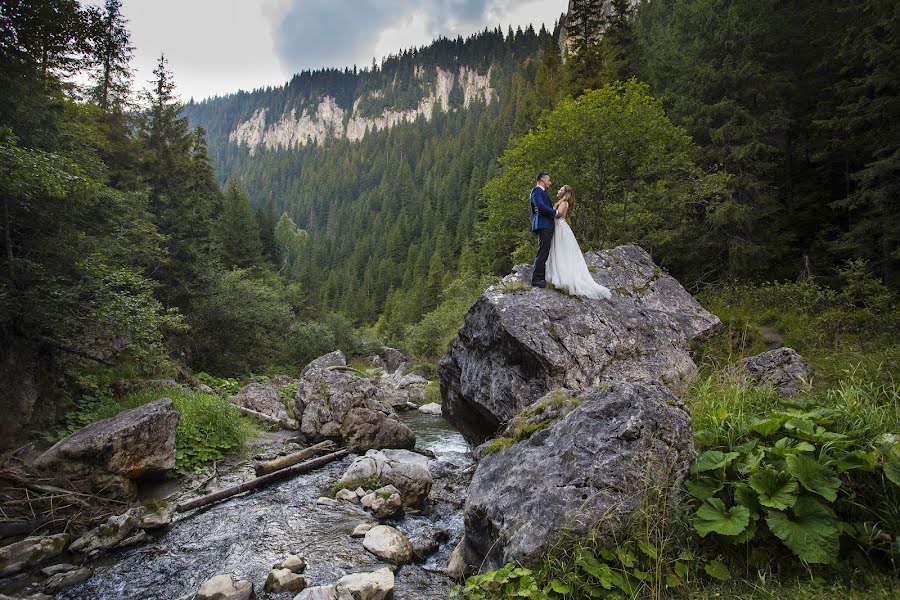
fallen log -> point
(283, 423)
(283, 462)
(262, 481)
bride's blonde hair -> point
(568, 195)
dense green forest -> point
(738, 141)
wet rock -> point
(61, 581)
(361, 530)
(293, 563)
(405, 470)
(388, 543)
(377, 585)
(135, 443)
(424, 546)
(283, 580)
(223, 587)
(782, 369)
(30, 552)
(432, 408)
(263, 398)
(58, 568)
(332, 359)
(514, 347)
(347, 495)
(367, 500)
(123, 530)
(340, 406)
(387, 503)
(326, 501)
(594, 464)
(456, 564)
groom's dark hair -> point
(539, 175)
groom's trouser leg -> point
(545, 236)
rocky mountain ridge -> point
(315, 121)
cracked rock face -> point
(517, 343)
(594, 465)
(335, 404)
(783, 369)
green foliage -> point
(224, 386)
(631, 168)
(367, 483)
(239, 231)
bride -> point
(566, 269)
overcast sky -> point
(215, 47)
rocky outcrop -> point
(782, 369)
(338, 405)
(393, 359)
(133, 444)
(589, 469)
(517, 342)
(27, 553)
(405, 470)
(332, 359)
(263, 399)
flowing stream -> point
(247, 534)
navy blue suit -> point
(543, 223)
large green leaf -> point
(705, 485)
(717, 570)
(767, 426)
(776, 490)
(712, 460)
(892, 471)
(787, 447)
(812, 531)
(713, 517)
(813, 476)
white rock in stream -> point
(348, 495)
(432, 408)
(283, 580)
(361, 530)
(293, 563)
(223, 587)
(377, 585)
(388, 543)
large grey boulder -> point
(224, 587)
(589, 469)
(405, 470)
(517, 342)
(393, 360)
(388, 543)
(782, 369)
(338, 405)
(332, 359)
(130, 445)
(263, 399)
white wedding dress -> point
(566, 269)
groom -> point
(542, 224)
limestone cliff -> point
(314, 121)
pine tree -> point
(111, 56)
(238, 231)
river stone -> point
(332, 359)
(58, 568)
(782, 369)
(263, 398)
(347, 495)
(361, 530)
(405, 470)
(61, 581)
(387, 503)
(132, 444)
(223, 587)
(338, 405)
(27, 553)
(388, 543)
(594, 464)
(515, 346)
(432, 408)
(283, 580)
(377, 585)
(123, 530)
(293, 563)
(319, 592)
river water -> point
(247, 534)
